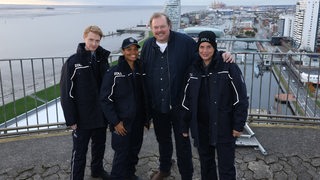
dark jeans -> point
(126, 150)
(163, 125)
(225, 155)
(81, 138)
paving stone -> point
(26, 169)
(280, 176)
(260, 170)
(64, 166)
(37, 177)
(283, 158)
(304, 175)
(299, 169)
(315, 162)
(286, 166)
(309, 166)
(11, 173)
(275, 167)
(305, 158)
(4, 171)
(314, 174)
(260, 156)
(271, 159)
(38, 169)
(291, 175)
(249, 158)
(26, 174)
(51, 177)
(294, 161)
(248, 174)
(243, 166)
(239, 160)
(50, 171)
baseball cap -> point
(128, 42)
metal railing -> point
(276, 83)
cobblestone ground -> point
(250, 162)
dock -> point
(283, 98)
(137, 29)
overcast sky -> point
(150, 2)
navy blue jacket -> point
(122, 98)
(180, 53)
(228, 102)
(80, 88)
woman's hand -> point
(120, 129)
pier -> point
(283, 98)
(138, 29)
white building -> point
(288, 24)
(308, 77)
(298, 21)
(310, 26)
(308, 71)
(173, 9)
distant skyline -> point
(148, 2)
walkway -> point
(293, 153)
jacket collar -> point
(101, 53)
(124, 66)
(171, 36)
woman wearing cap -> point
(215, 107)
(123, 104)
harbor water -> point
(38, 31)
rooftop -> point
(293, 153)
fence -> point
(282, 88)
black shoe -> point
(102, 174)
(135, 177)
(159, 175)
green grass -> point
(49, 94)
(20, 106)
(114, 63)
(281, 79)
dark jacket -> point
(122, 94)
(227, 101)
(80, 88)
(180, 53)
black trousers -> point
(81, 138)
(163, 125)
(126, 150)
(225, 156)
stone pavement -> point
(293, 153)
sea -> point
(32, 31)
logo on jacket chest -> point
(77, 65)
(117, 73)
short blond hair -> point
(93, 29)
